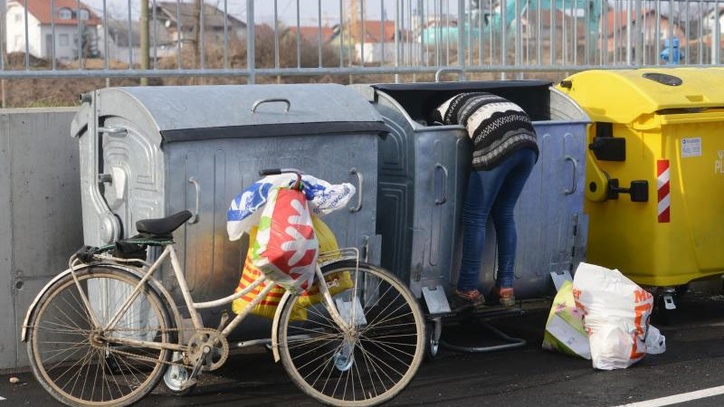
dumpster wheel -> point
(177, 378)
(433, 333)
(665, 303)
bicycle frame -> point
(169, 253)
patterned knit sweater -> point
(496, 126)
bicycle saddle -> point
(163, 226)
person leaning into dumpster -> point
(505, 149)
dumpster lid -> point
(421, 98)
(180, 113)
(621, 96)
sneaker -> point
(462, 300)
(506, 297)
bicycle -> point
(105, 331)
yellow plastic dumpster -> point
(655, 171)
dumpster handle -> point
(575, 173)
(359, 191)
(442, 200)
(272, 100)
(114, 131)
(460, 72)
(195, 217)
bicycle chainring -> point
(214, 341)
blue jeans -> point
(493, 193)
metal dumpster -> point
(655, 172)
(423, 173)
(147, 152)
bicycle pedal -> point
(188, 383)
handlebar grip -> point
(270, 171)
(276, 171)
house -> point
(314, 34)
(124, 41)
(374, 42)
(655, 29)
(52, 32)
(179, 20)
(547, 24)
(710, 20)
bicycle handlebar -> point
(277, 171)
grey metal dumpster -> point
(148, 152)
(423, 172)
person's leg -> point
(482, 188)
(519, 166)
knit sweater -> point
(496, 126)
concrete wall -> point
(40, 216)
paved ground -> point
(528, 376)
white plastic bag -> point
(616, 315)
(245, 209)
(655, 342)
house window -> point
(84, 14)
(18, 17)
(63, 40)
(65, 14)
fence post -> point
(250, 41)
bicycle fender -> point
(34, 304)
(275, 326)
(155, 285)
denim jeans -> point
(493, 193)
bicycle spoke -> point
(370, 363)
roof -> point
(41, 10)
(312, 34)
(213, 16)
(376, 31)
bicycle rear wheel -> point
(368, 364)
(78, 363)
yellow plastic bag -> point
(565, 332)
(267, 307)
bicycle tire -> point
(68, 354)
(364, 368)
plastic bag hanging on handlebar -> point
(267, 307)
(245, 209)
(286, 247)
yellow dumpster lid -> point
(621, 96)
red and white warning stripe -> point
(662, 182)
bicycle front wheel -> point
(371, 361)
(80, 363)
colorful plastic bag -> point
(286, 247)
(565, 332)
(336, 282)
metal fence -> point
(408, 39)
